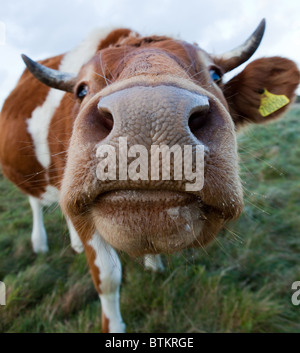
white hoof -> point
(78, 247)
(154, 263)
(39, 242)
(119, 327)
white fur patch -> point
(39, 235)
(50, 196)
(110, 277)
(111, 307)
(153, 263)
(75, 240)
(38, 124)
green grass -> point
(242, 283)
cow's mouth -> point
(150, 221)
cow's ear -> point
(262, 91)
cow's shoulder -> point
(28, 94)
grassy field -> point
(241, 283)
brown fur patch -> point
(17, 154)
(114, 37)
(105, 323)
(60, 131)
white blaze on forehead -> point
(38, 124)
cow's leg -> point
(107, 273)
(39, 235)
(153, 263)
(75, 240)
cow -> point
(67, 110)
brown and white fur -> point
(48, 139)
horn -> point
(239, 55)
(53, 78)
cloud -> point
(49, 27)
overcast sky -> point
(49, 27)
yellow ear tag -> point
(270, 102)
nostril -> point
(198, 119)
(107, 118)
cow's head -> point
(161, 91)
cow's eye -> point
(215, 74)
(82, 90)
